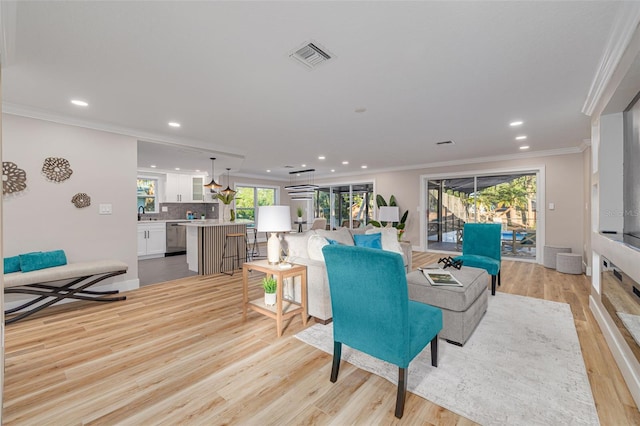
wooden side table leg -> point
(279, 305)
(245, 291)
(303, 287)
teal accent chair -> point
(372, 311)
(481, 246)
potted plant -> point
(300, 212)
(380, 201)
(270, 285)
(226, 200)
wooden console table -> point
(284, 308)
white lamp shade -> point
(389, 214)
(274, 219)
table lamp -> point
(389, 214)
(274, 219)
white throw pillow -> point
(295, 244)
(389, 238)
(314, 247)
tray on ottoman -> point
(462, 307)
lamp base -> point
(273, 249)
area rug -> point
(521, 366)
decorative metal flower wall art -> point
(81, 200)
(56, 169)
(14, 179)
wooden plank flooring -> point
(179, 353)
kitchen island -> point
(205, 243)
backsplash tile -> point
(179, 211)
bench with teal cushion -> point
(37, 278)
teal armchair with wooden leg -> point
(481, 244)
(372, 312)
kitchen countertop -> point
(212, 222)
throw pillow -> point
(368, 240)
(389, 239)
(41, 260)
(333, 242)
(295, 245)
(341, 235)
(314, 248)
(11, 264)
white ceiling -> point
(424, 71)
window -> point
(147, 190)
(249, 198)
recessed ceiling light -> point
(333, 170)
(197, 170)
(303, 165)
(520, 138)
(515, 123)
(523, 147)
(268, 171)
(177, 168)
(174, 124)
(153, 166)
(322, 157)
(363, 166)
(78, 102)
(360, 110)
(345, 162)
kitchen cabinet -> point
(152, 239)
(184, 188)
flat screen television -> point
(631, 173)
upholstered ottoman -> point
(462, 307)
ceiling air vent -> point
(310, 55)
(445, 143)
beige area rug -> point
(522, 366)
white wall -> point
(564, 187)
(610, 157)
(42, 217)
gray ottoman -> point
(462, 307)
(550, 253)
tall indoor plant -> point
(381, 202)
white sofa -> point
(306, 249)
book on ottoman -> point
(440, 277)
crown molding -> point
(508, 157)
(42, 114)
(623, 30)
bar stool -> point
(235, 239)
(255, 249)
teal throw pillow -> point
(41, 260)
(368, 240)
(11, 264)
(333, 242)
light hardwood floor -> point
(179, 353)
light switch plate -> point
(105, 209)
(552, 206)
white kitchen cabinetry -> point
(184, 188)
(152, 239)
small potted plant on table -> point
(300, 212)
(270, 285)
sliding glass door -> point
(348, 205)
(509, 199)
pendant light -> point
(213, 184)
(228, 191)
